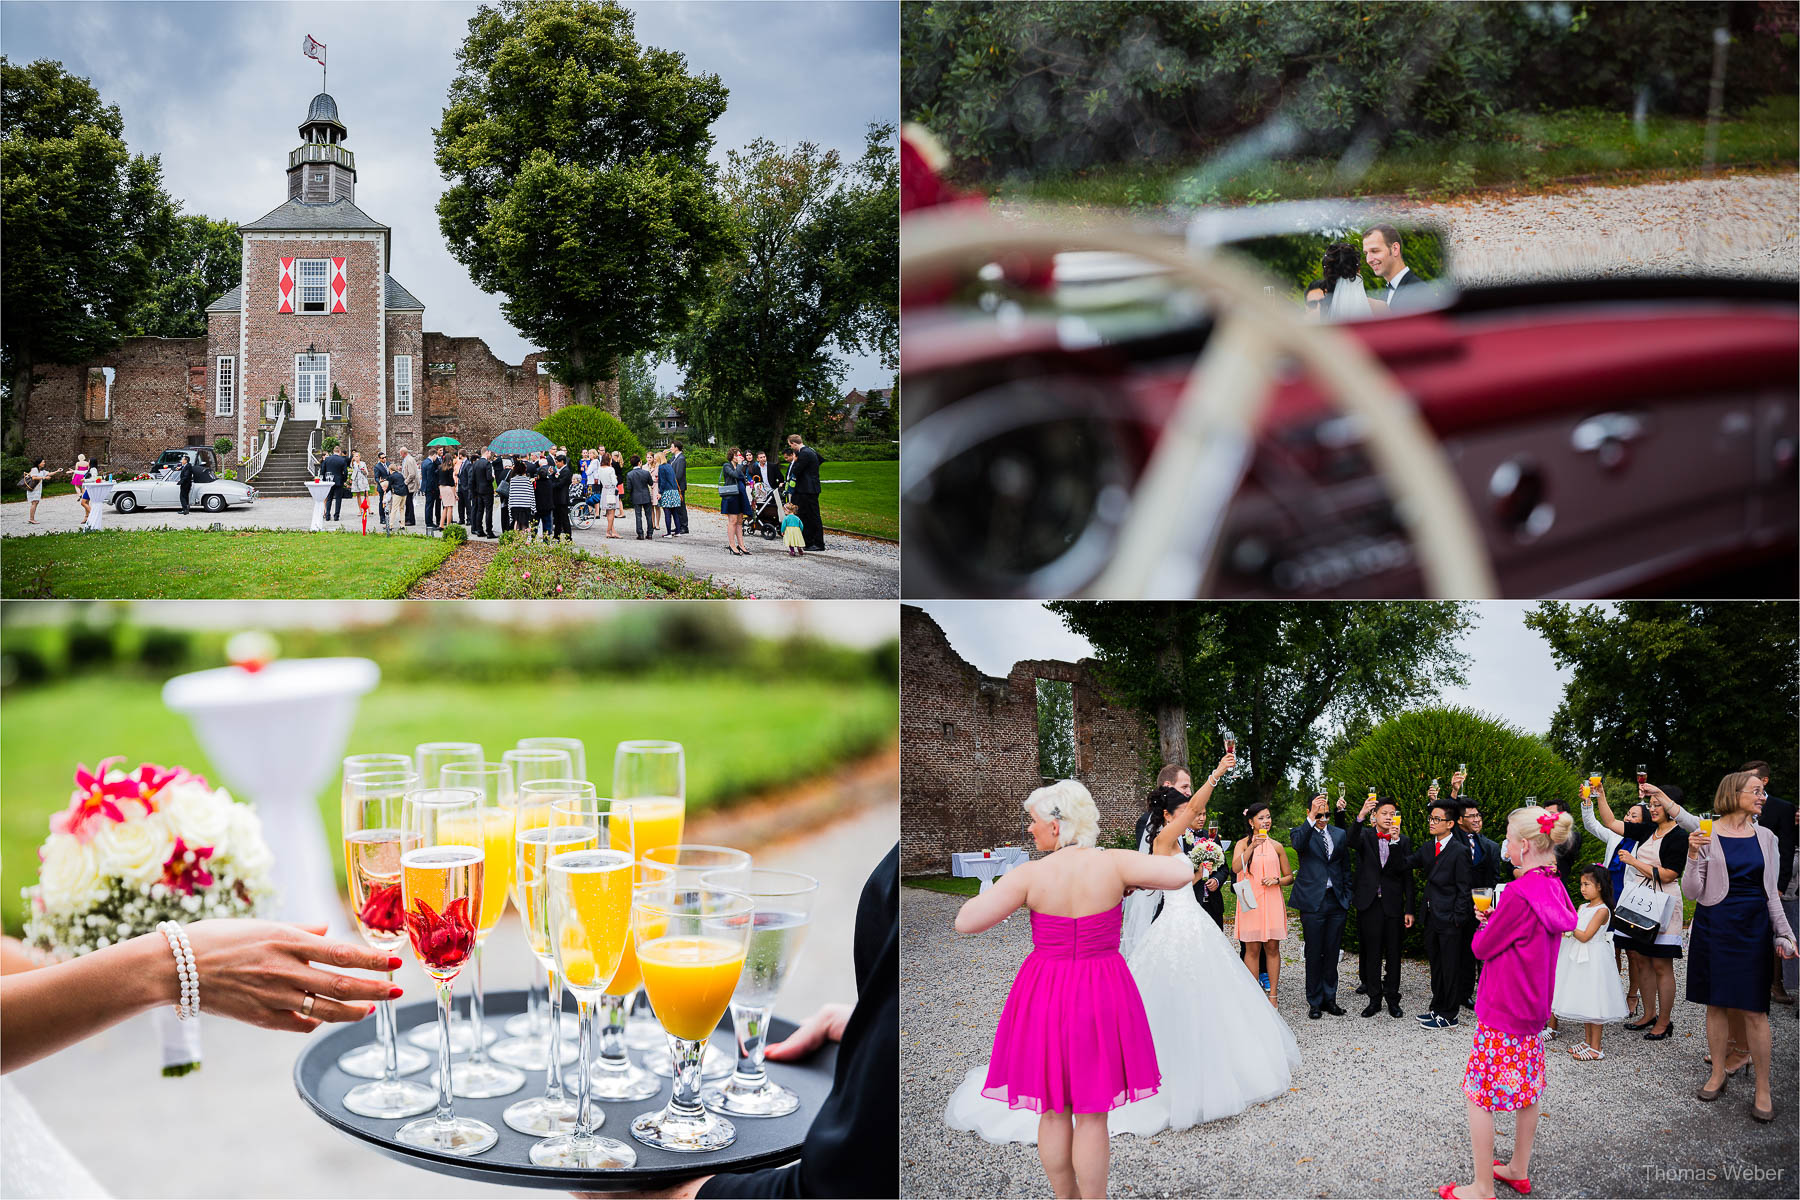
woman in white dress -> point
(1226, 1047)
(1345, 299)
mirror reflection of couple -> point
(1338, 293)
(1149, 1014)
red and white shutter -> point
(337, 285)
(287, 286)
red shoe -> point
(1447, 1191)
(1521, 1186)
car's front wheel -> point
(125, 502)
(214, 503)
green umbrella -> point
(443, 441)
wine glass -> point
(589, 895)
(573, 747)
(783, 901)
(440, 881)
(686, 866)
(476, 1078)
(656, 772)
(690, 946)
(373, 833)
(369, 1061)
(535, 839)
(529, 764)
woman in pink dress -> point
(1073, 1042)
(1262, 862)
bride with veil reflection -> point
(1345, 299)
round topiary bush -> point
(582, 427)
(1401, 757)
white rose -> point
(69, 878)
(135, 851)
(199, 816)
(249, 853)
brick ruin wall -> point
(479, 397)
(969, 749)
(156, 383)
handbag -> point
(1641, 912)
(1246, 893)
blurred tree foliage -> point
(1046, 85)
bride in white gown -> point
(1221, 1045)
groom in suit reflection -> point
(1322, 896)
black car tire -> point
(125, 502)
(213, 503)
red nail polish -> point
(394, 964)
(394, 993)
(371, 1010)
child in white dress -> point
(1587, 981)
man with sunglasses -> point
(1315, 300)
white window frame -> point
(403, 385)
(324, 395)
(301, 283)
(225, 386)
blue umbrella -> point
(519, 441)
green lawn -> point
(734, 750)
(525, 570)
(869, 504)
(192, 564)
(950, 885)
(1531, 150)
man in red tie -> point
(1448, 884)
(1383, 896)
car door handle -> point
(1595, 432)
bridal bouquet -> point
(132, 850)
(1207, 853)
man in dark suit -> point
(1382, 894)
(336, 468)
(1778, 818)
(1321, 893)
(1383, 251)
(1486, 868)
(637, 492)
(184, 479)
(680, 513)
(428, 479)
(481, 494)
(805, 474)
(560, 483)
(1446, 879)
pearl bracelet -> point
(185, 972)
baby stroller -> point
(765, 511)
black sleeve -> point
(1465, 888)
(853, 1146)
(1639, 831)
(1674, 850)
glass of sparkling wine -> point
(440, 881)
(429, 760)
(589, 894)
(575, 748)
(373, 838)
(370, 1061)
(656, 772)
(686, 866)
(536, 837)
(1643, 777)
(475, 1077)
(690, 945)
(783, 901)
(530, 1042)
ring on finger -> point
(306, 1005)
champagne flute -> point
(476, 1078)
(429, 760)
(440, 883)
(612, 1074)
(690, 945)
(373, 836)
(1643, 777)
(654, 771)
(685, 866)
(575, 748)
(589, 894)
(784, 901)
(536, 838)
(370, 1061)
(530, 764)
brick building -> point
(316, 316)
(969, 748)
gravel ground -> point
(1376, 1108)
(852, 568)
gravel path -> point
(457, 576)
(1376, 1108)
(852, 568)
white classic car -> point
(163, 490)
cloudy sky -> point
(1511, 675)
(218, 90)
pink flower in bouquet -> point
(150, 779)
(95, 799)
(186, 868)
(442, 941)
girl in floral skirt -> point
(1517, 944)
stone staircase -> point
(286, 472)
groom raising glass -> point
(1322, 895)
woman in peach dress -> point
(1262, 861)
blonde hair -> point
(1523, 829)
(1068, 804)
(1727, 799)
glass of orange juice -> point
(691, 941)
(1484, 899)
(614, 1075)
(589, 901)
(688, 866)
(654, 775)
(529, 1041)
(1706, 825)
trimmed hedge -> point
(583, 427)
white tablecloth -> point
(987, 868)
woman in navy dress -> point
(1737, 917)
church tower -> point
(321, 170)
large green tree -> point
(815, 274)
(1282, 677)
(580, 188)
(1691, 689)
(1055, 728)
(82, 220)
(638, 400)
(201, 263)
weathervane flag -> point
(314, 50)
